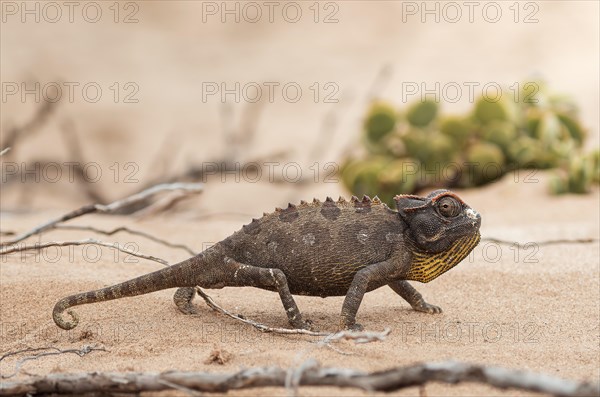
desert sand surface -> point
(536, 307)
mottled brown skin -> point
(320, 249)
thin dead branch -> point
(162, 205)
(390, 380)
(38, 246)
(53, 351)
(111, 208)
(125, 229)
(4, 151)
(32, 125)
(382, 79)
(357, 337)
(261, 327)
(75, 150)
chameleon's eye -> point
(449, 207)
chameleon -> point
(319, 248)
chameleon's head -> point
(438, 221)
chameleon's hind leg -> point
(272, 279)
(412, 296)
(183, 299)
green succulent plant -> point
(379, 122)
(595, 161)
(501, 133)
(459, 129)
(575, 130)
(487, 110)
(485, 163)
(526, 152)
(534, 129)
(398, 177)
(362, 175)
(421, 114)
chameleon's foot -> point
(350, 326)
(183, 299)
(302, 324)
(356, 327)
(427, 308)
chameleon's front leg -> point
(371, 277)
(413, 297)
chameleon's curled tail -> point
(179, 275)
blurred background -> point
(137, 93)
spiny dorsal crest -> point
(363, 203)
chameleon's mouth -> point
(426, 266)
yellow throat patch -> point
(425, 266)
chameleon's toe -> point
(189, 309)
(302, 324)
(428, 308)
(356, 327)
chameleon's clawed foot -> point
(356, 327)
(183, 299)
(427, 308)
(303, 324)
(189, 309)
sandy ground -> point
(536, 308)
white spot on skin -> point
(272, 245)
(362, 236)
(471, 213)
(391, 237)
(308, 239)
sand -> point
(535, 308)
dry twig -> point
(390, 380)
(107, 209)
(357, 337)
(38, 119)
(38, 246)
(53, 352)
(74, 148)
(130, 231)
